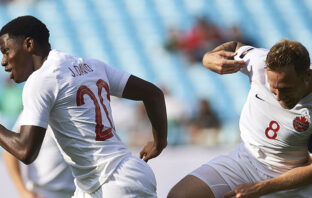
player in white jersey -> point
(72, 95)
(275, 124)
(47, 177)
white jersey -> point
(275, 136)
(49, 171)
(72, 95)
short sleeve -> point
(255, 59)
(117, 80)
(242, 55)
(39, 95)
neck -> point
(39, 59)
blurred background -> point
(163, 41)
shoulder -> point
(41, 76)
(253, 56)
(97, 63)
(255, 59)
(250, 52)
(41, 82)
(58, 57)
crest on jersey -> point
(245, 52)
(301, 123)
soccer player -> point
(48, 176)
(275, 124)
(72, 95)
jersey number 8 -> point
(271, 131)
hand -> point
(151, 150)
(251, 190)
(221, 62)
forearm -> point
(10, 141)
(230, 46)
(14, 170)
(156, 111)
(294, 178)
(154, 102)
(221, 59)
(25, 145)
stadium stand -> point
(130, 35)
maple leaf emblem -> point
(301, 123)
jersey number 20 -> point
(100, 135)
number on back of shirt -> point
(84, 90)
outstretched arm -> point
(154, 102)
(221, 59)
(13, 166)
(25, 145)
(297, 177)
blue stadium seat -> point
(131, 34)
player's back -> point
(81, 116)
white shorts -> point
(225, 172)
(133, 178)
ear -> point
(308, 77)
(29, 44)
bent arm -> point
(294, 178)
(230, 46)
(154, 102)
(297, 177)
(221, 59)
(25, 145)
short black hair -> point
(27, 26)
